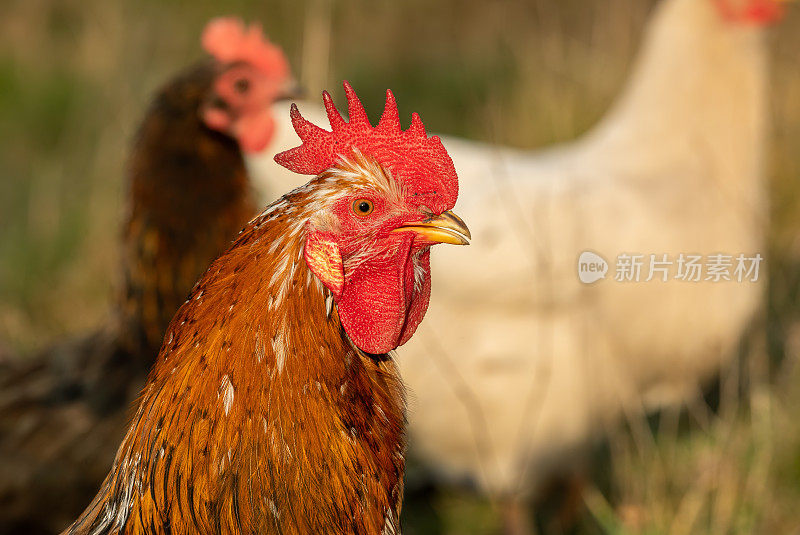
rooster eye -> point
(363, 207)
(241, 85)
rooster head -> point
(252, 74)
(751, 12)
(383, 198)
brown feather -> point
(260, 415)
(183, 176)
(64, 411)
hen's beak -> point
(444, 228)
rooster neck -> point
(260, 414)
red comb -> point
(230, 41)
(419, 162)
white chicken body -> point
(519, 364)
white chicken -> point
(519, 364)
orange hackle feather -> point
(260, 415)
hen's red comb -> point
(230, 41)
(420, 163)
(757, 12)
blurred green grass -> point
(75, 76)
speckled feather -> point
(261, 415)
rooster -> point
(519, 364)
(275, 405)
(63, 413)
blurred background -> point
(75, 76)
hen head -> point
(751, 12)
(382, 199)
(252, 74)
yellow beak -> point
(444, 228)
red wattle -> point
(419, 304)
(379, 307)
